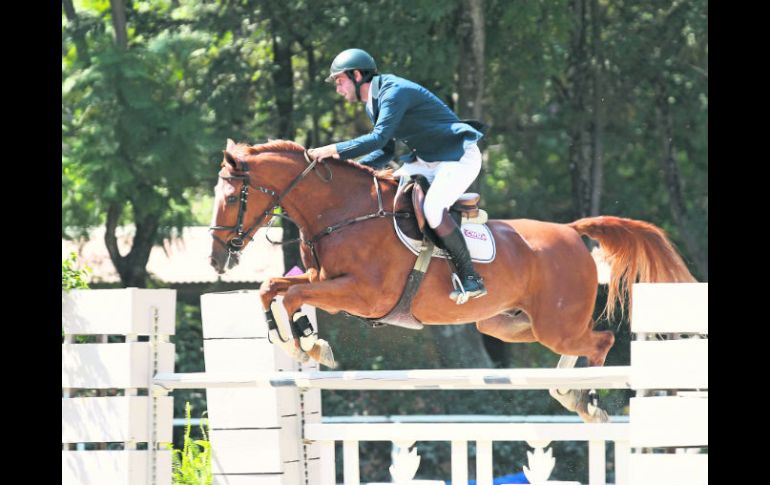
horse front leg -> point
(278, 286)
(330, 295)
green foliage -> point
(71, 275)
(192, 464)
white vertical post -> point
(350, 463)
(269, 441)
(459, 463)
(597, 463)
(66, 392)
(133, 391)
(622, 451)
(328, 470)
(484, 462)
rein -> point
(381, 212)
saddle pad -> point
(478, 237)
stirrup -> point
(460, 295)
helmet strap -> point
(357, 84)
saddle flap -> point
(410, 197)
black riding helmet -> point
(348, 61)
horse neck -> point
(315, 204)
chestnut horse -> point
(542, 284)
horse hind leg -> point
(587, 348)
(581, 401)
(516, 327)
(593, 346)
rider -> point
(444, 147)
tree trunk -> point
(579, 149)
(471, 68)
(119, 23)
(597, 132)
(673, 182)
(77, 33)
(314, 134)
(132, 268)
(283, 85)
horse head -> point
(247, 192)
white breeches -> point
(449, 180)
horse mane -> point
(291, 146)
(275, 146)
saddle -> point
(410, 198)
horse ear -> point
(231, 160)
(230, 143)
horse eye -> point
(231, 199)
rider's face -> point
(345, 87)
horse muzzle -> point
(224, 261)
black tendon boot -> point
(454, 242)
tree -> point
(133, 132)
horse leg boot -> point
(566, 397)
(274, 337)
(303, 329)
(581, 401)
(309, 343)
(471, 284)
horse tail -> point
(636, 251)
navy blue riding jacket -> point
(408, 112)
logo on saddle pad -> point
(471, 234)
(478, 237)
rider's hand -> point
(328, 151)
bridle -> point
(236, 243)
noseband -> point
(236, 243)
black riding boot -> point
(454, 242)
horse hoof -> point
(322, 352)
